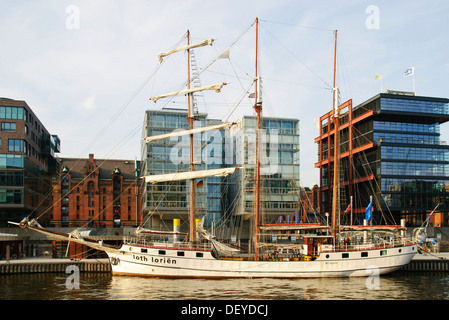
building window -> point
(16, 113)
(11, 161)
(10, 196)
(8, 126)
(11, 178)
(15, 145)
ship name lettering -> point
(164, 260)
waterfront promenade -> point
(42, 265)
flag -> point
(348, 209)
(378, 77)
(369, 211)
(409, 72)
(200, 184)
(225, 54)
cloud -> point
(89, 102)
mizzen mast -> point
(258, 109)
(336, 116)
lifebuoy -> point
(425, 248)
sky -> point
(88, 68)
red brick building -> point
(96, 193)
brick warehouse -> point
(96, 193)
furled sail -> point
(217, 87)
(190, 175)
(143, 230)
(223, 249)
(187, 47)
(178, 133)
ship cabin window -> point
(199, 254)
(143, 250)
(162, 252)
(180, 253)
(383, 252)
(345, 255)
(364, 254)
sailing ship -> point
(322, 251)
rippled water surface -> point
(101, 286)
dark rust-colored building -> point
(390, 151)
(27, 162)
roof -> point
(106, 167)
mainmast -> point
(336, 115)
(258, 109)
(191, 119)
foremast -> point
(258, 109)
(191, 119)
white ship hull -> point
(197, 263)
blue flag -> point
(369, 211)
(409, 72)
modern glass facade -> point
(391, 150)
(279, 167)
(219, 198)
(414, 162)
(169, 200)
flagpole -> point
(414, 91)
(351, 212)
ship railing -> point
(393, 243)
(148, 242)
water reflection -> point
(102, 286)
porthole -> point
(327, 256)
(400, 250)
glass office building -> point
(165, 201)
(391, 144)
(220, 198)
(279, 168)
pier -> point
(49, 265)
(429, 262)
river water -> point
(221, 299)
(103, 286)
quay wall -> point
(433, 265)
(53, 266)
(430, 264)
